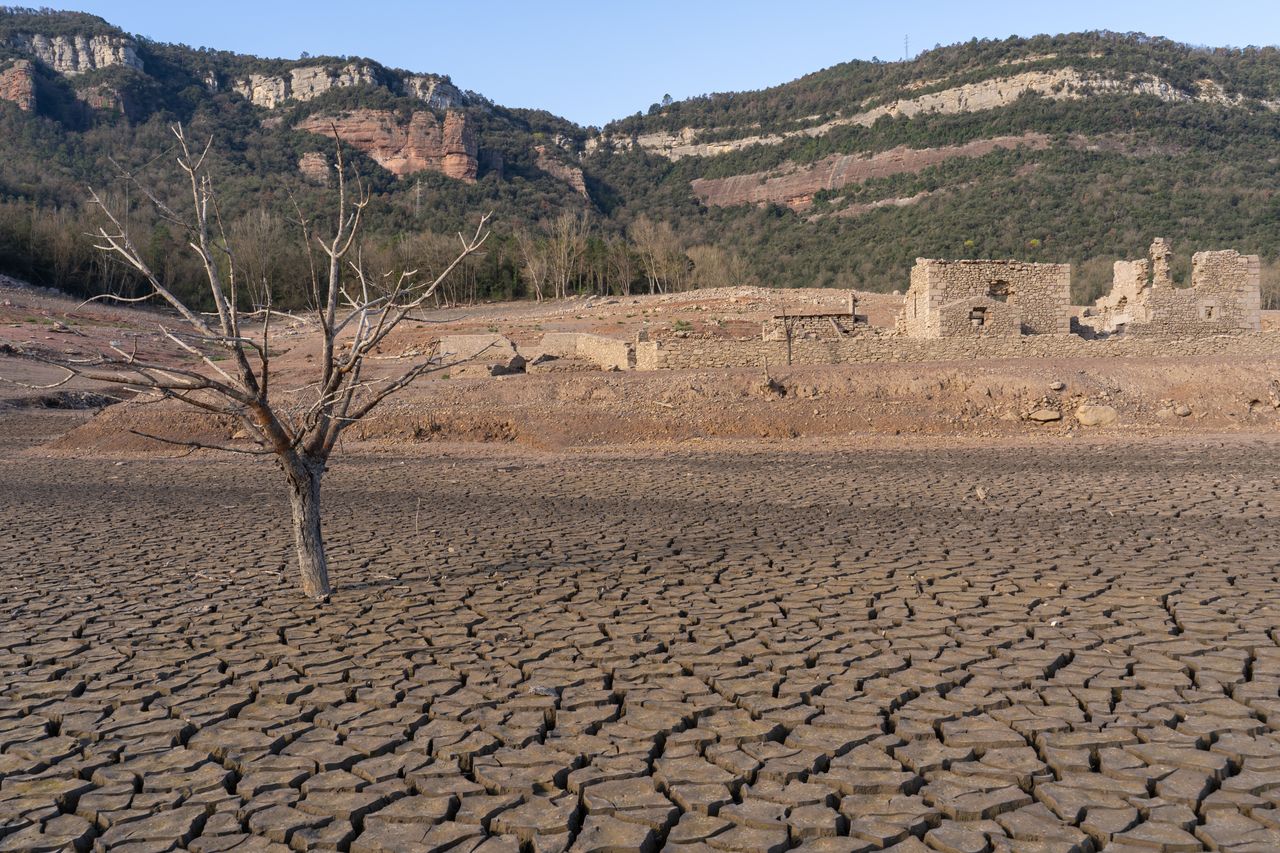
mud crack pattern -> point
(1022, 650)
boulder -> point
(1096, 415)
(1045, 416)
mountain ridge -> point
(1077, 147)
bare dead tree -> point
(354, 311)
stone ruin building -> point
(1225, 296)
(949, 299)
(819, 325)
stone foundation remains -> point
(885, 347)
(608, 353)
(950, 299)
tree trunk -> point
(304, 499)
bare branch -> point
(200, 445)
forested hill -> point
(1066, 148)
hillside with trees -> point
(1075, 148)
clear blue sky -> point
(593, 62)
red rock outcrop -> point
(18, 84)
(315, 168)
(794, 185)
(571, 175)
(105, 98)
(424, 143)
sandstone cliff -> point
(424, 143)
(79, 54)
(17, 84)
(306, 82)
(302, 84)
(794, 185)
(570, 174)
(106, 98)
(436, 92)
(315, 168)
(1056, 84)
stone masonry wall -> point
(692, 353)
(609, 353)
(979, 315)
(820, 326)
(916, 319)
(1225, 295)
(1040, 294)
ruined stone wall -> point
(1127, 301)
(1039, 295)
(609, 353)
(820, 326)
(979, 315)
(916, 319)
(1225, 295)
(692, 353)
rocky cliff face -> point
(79, 54)
(795, 185)
(1056, 84)
(303, 83)
(571, 175)
(436, 92)
(424, 143)
(315, 168)
(311, 81)
(106, 98)
(17, 84)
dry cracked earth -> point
(1053, 649)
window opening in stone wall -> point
(978, 317)
(1000, 290)
(1207, 312)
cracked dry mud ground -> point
(735, 651)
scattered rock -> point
(1182, 410)
(1057, 385)
(1096, 415)
(1045, 416)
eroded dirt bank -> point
(992, 399)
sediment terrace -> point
(949, 647)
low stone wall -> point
(481, 347)
(822, 326)
(686, 353)
(609, 353)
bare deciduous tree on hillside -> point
(534, 264)
(565, 243)
(354, 312)
(660, 253)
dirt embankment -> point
(982, 400)
(985, 400)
